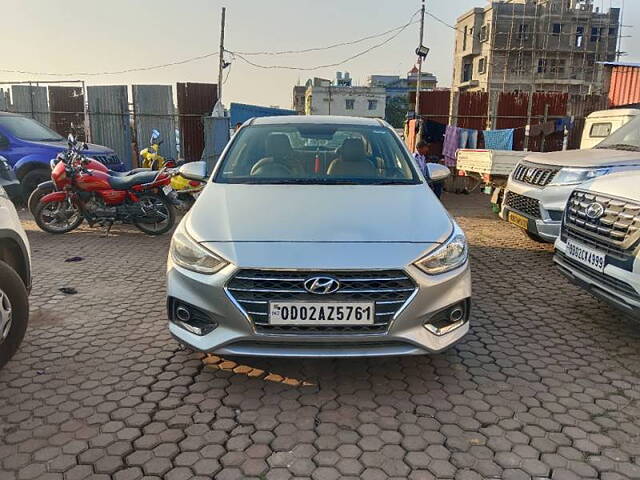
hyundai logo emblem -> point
(595, 211)
(321, 285)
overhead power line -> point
(329, 47)
(128, 70)
(328, 65)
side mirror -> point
(194, 171)
(437, 172)
(155, 134)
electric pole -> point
(221, 64)
(421, 54)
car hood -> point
(93, 148)
(595, 157)
(318, 213)
(621, 185)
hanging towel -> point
(468, 138)
(563, 122)
(451, 142)
(548, 127)
(498, 139)
(535, 130)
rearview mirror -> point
(155, 134)
(194, 171)
(437, 172)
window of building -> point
(349, 103)
(579, 36)
(523, 31)
(482, 65)
(557, 29)
(484, 33)
(613, 32)
(595, 34)
(464, 38)
(542, 65)
(467, 72)
(373, 104)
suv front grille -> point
(111, 159)
(527, 205)
(534, 175)
(254, 289)
(616, 231)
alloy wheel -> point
(5, 316)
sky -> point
(89, 36)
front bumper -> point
(552, 200)
(616, 286)
(236, 334)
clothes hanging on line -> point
(561, 123)
(433, 131)
(468, 138)
(535, 130)
(498, 139)
(451, 143)
(548, 127)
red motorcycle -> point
(104, 199)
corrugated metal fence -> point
(112, 120)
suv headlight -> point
(575, 176)
(189, 254)
(448, 256)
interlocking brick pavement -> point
(546, 384)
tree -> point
(396, 111)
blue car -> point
(28, 147)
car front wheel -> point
(14, 312)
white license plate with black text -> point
(321, 313)
(586, 255)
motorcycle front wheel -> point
(158, 214)
(58, 217)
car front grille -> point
(611, 282)
(616, 231)
(533, 175)
(111, 159)
(254, 289)
(527, 205)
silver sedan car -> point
(318, 237)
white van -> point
(599, 125)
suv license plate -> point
(519, 220)
(321, 313)
(586, 255)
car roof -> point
(316, 120)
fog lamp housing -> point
(190, 318)
(449, 319)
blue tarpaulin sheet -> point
(241, 112)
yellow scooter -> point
(185, 191)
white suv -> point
(539, 187)
(599, 243)
(15, 280)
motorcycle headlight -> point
(187, 253)
(448, 256)
(574, 176)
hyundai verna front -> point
(317, 237)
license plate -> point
(586, 255)
(321, 313)
(519, 220)
(167, 189)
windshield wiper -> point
(392, 182)
(621, 146)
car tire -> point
(15, 300)
(535, 237)
(34, 178)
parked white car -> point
(15, 280)
(599, 125)
(539, 187)
(318, 237)
(599, 244)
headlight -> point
(187, 253)
(574, 176)
(446, 257)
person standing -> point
(422, 158)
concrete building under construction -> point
(535, 45)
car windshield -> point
(28, 129)
(625, 138)
(317, 154)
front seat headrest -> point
(278, 145)
(352, 150)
